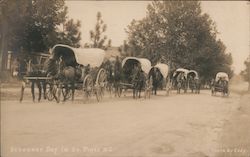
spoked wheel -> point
(101, 83)
(49, 91)
(88, 87)
(66, 94)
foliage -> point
(246, 73)
(97, 36)
(177, 33)
(71, 34)
(35, 25)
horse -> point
(194, 85)
(64, 77)
(139, 83)
(181, 83)
(36, 71)
(110, 77)
(117, 77)
(197, 85)
(225, 88)
(191, 83)
(157, 79)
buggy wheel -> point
(66, 95)
(87, 87)
(101, 84)
(49, 91)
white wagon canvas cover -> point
(181, 70)
(163, 69)
(92, 56)
(195, 73)
(221, 75)
(145, 63)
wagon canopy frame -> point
(180, 70)
(222, 75)
(163, 68)
(195, 73)
(73, 56)
(145, 63)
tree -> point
(178, 33)
(12, 23)
(71, 34)
(34, 25)
(97, 36)
(246, 73)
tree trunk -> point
(3, 53)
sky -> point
(231, 17)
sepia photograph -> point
(124, 78)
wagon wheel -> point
(49, 91)
(88, 87)
(66, 95)
(101, 83)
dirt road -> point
(175, 126)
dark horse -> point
(181, 83)
(110, 77)
(62, 79)
(65, 71)
(157, 79)
(36, 73)
(117, 69)
(139, 83)
(194, 85)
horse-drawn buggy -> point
(220, 84)
(159, 74)
(70, 69)
(179, 79)
(135, 76)
(193, 81)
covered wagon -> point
(159, 74)
(135, 74)
(76, 68)
(220, 84)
